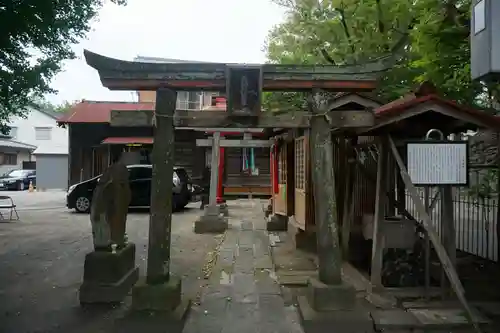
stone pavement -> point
(243, 294)
(41, 268)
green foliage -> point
(36, 37)
(486, 187)
(61, 108)
(354, 31)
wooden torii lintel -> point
(221, 119)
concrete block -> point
(323, 297)
(277, 222)
(153, 321)
(394, 319)
(108, 277)
(211, 222)
(356, 320)
(445, 319)
(165, 297)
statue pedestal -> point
(108, 277)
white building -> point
(39, 129)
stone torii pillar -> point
(161, 291)
(213, 219)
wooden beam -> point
(448, 230)
(327, 231)
(160, 222)
(348, 209)
(235, 143)
(378, 245)
(434, 237)
(220, 119)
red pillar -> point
(220, 188)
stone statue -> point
(108, 213)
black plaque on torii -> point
(244, 90)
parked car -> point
(79, 196)
(17, 180)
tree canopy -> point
(36, 37)
(435, 33)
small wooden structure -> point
(293, 196)
(371, 162)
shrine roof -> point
(397, 107)
(426, 109)
(99, 111)
(127, 140)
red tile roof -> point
(98, 111)
(127, 140)
(398, 106)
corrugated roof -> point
(99, 111)
(52, 150)
(4, 142)
(127, 140)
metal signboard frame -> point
(432, 164)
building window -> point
(43, 133)
(189, 100)
(13, 132)
(9, 159)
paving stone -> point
(244, 260)
(241, 318)
(247, 225)
(265, 284)
(394, 319)
(246, 239)
(263, 262)
(244, 288)
(226, 257)
(199, 321)
(216, 291)
(446, 318)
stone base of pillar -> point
(305, 241)
(324, 297)
(108, 277)
(327, 306)
(163, 297)
(277, 222)
(212, 221)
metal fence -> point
(475, 213)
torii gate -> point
(243, 86)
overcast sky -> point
(204, 30)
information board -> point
(434, 163)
